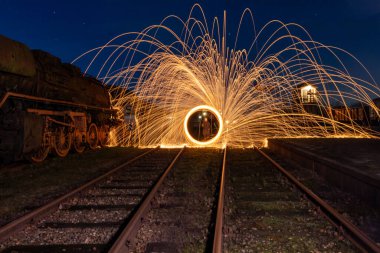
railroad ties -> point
(88, 220)
(249, 205)
(181, 216)
(192, 200)
(268, 210)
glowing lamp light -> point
(199, 108)
(308, 94)
(307, 88)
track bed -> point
(181, 218)
(264, 214)
(89, 221)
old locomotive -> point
(47, 105)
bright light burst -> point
(202, 142)
(158, 75)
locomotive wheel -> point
(78, 141)
(62, 141)
(92, 136)
(103, 135)
(39, 155)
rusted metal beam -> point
(218, 234)
(56, 113)
(48, 100)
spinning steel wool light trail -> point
(277, 87)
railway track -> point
(263, 213)
(205, 201)
(181, 217)
(88, 218)
(257, 209)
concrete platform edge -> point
(345, 177)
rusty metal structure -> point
(48, 106)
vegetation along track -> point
(264, 212)
(87, 219)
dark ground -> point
(31, 185)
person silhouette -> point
(206, 128)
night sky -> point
(69, 28)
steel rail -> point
(218, 233)
(353, 233)
(124, 240)
(7, 230)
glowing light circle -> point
(198, 108)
